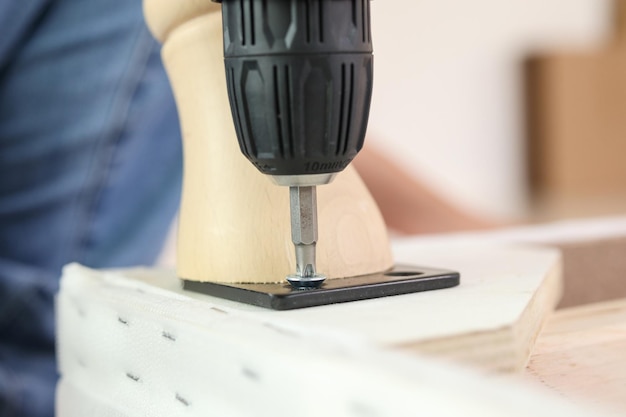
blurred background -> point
(514, 110)
(509, 108)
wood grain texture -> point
(234, 223)
(581, 354)
(163, 16)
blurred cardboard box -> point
(576, 111)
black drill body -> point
(299, 76)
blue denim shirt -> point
(90, 167)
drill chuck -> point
(299, 76)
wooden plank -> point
(581, 354)
(489, 323)
(490, 320)
(128, 348)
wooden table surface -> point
(581, 354)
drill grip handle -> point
(299, 76)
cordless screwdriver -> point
(299, 76)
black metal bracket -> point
(401, 279)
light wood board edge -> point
(507, 349)
(581, 355)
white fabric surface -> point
(130, 349)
